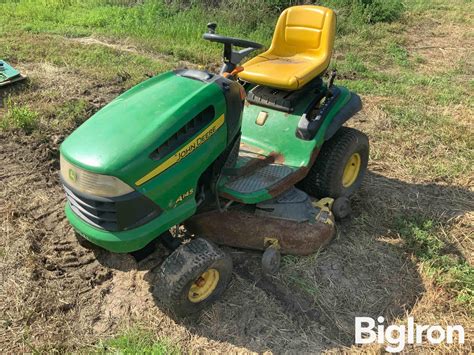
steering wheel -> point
(213, 37)
(231, 56)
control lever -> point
(331, 79)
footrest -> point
(263, 178)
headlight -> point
(91, 183)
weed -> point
(381, 10)
(448, 270)
(74, 111)
(304, 284)
(398, 54)
(420, 239)
(136, 341)
(21, 117)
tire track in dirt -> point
(43, 270)
(50, 284)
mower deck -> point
(292, 221)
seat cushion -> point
(287, 73)
(300, 51)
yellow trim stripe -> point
(185, 151)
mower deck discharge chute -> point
(253, 157)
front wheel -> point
(340, 166)
(193, 276)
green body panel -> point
(119, 139)
(278, 135)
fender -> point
(307, 129)
(353, 106)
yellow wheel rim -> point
(351, 170)
(203, 286)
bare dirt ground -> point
(56, 295)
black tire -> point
(325, 178)
(183, 268)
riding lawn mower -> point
(255, 157)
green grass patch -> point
(95, 61)
(20, 117)
(74, 112)
(352, 63)
(138, 342)
(448, 269)
(398, 53)
(175, 27)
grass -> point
(20, 117)
(136, 341)
(158, 24)
(450, 271)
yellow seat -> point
(300, 51)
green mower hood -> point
(119, 138)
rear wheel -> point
(193, 276)
(340, 166)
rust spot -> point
(251, 166)
(241, 228)
(278, 157)
(294, 178)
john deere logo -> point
(72, 175)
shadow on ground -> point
(312, 303)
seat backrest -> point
(304, 29)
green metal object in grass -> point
(8, 74)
